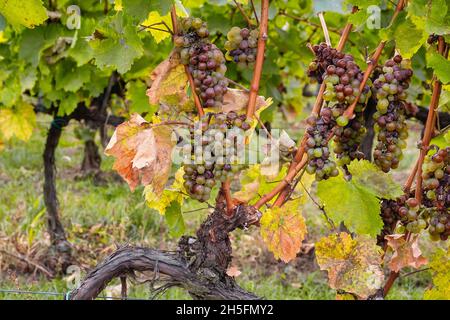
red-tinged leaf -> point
(143, 153)
(283, 230)
(406, 253)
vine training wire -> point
(64, 295)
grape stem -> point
(198, 104)
(254, 12)
(324, 28)
(417, 170)
(254, 86)
(299, 160)
(349, 113)
(430, 124)
(246, 17)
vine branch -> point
(254, 86)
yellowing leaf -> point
(406, 253)
(29, 13)
(173, 193)
(155, 18)
(2, 37)
(143, 153)
(169, 86)
(440, 265)
(353, 265)
(18, 121)
(283, 230)
(118, 5)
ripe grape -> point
(205, 61)
(241, 46)
(213, 152)
(389, 88)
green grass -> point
(97, 217)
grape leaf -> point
(137, 100)
(68, 104)
(402, 26)
(18, 121)
(283, 230)
(143, 153)
(120, 44)
(406, 253)
(174, 219)
(440, 65)
(155, 18)
(140, 8)
(29, 13)
(440, 266)
(366, 174)
(353, 265)
(70, 77)
(169, 86)
(34, 41)
(169, 195)
(356, 202)
(437, 17)
(81, 51)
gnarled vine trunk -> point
(199, 265)
(91, 158)
(61, 250)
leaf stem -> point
(254, 86)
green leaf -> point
(68, 104)
(356, 202)
(437, 17)
(174, 219)
(81, 51)
(416, 37)
(137, 98)
(345, 202)
(34, 41)
(442, 140)
(121, 45)
(29, 13)
(366, 175)
(141, 8)
(69, 77)
(440, 65)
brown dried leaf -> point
(406, 253)
(237, 100)
(143, 153)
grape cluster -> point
(390, 90)
(205, 61)
(215, 144)
(436, 186)
(342, 77)
(317, 150)
(241, 46)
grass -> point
(97, 217)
